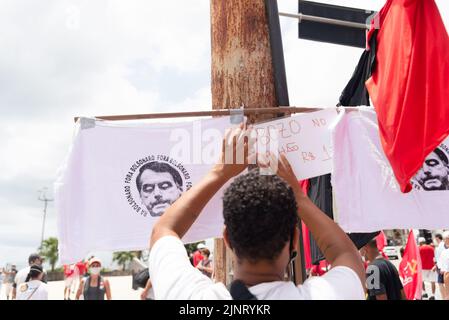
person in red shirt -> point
(427, 253)
(82, 268)
(69, 270)
(197, 255)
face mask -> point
(95, 271)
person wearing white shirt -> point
(33, 288)
(439, 247)
(33, 259)
(261, 229)
(443, 264)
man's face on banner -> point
(158, 191)
(434, 174)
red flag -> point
(409, 85)
(381, 242)
(410, 269)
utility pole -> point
(243, 73)
(43, 197)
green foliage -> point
(49, 250)
(123, 257)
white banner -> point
(119, 178)
(367, 194)
(304, 138)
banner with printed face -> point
(119, 178)
(367, 195)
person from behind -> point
(33, 259)
(383, 281)
(427, 254)
(94, 287)
(33, 288)
(261, 230)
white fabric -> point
(443, 261)
(305, 139)
(32, 290)
(99, 206)
(173, 277)
(366, 193)
(438, 250)
(21, 276)
(429, 275)
(97, 201)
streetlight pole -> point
(43, 197)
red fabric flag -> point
(305, 231)
(410, 269)
(381, 242)
(409, 86)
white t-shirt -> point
(443, 261)
(32, 290)
(438, 250)
(21, 276)
(173, 277)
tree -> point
(122, 257)
(49, 250)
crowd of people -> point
(30, 283)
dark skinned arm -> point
(330, 238)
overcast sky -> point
(60, 59)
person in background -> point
(316, 270)
(388, 286)
(197, 255)
(94, 287)
(206, 265)
(261, 221)
(8, 281)
(2, 277)
(439, 247)
(443, 265)
(427, 253)
(33, 288)
(69, 275)
(33, 259)
(148, 292)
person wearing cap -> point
(94, 287)
(197, 255)
(33, 288)
(427, 254)
(206, 265)
(434, 174)
(33, 259)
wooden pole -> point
(244, 51)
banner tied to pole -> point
(119, 178)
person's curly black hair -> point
(260, 214)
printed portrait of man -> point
(434, 174)
(159, 185)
